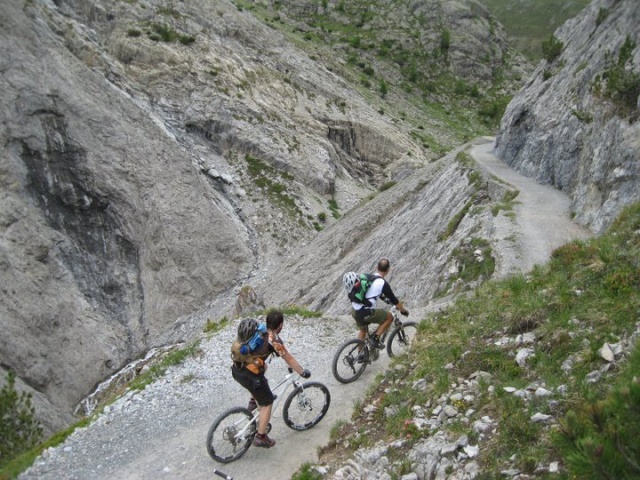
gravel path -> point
(160, 432)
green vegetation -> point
(587, 295)
(213, 326)
(452, 226)
(158, 370)
(15, 466)
(333, 206)
(386, 186)
(603, 13)
(292, 310)
(410, 67)
(474, 261)
(529, 22)
(269, 180)
(161, 32)
(552, 48)
(620, 82)
(19, 429)
(507, 202)
(306, 472)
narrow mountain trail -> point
(160, 432)
(543, 220)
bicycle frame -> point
(289, 379)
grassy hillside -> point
(586, 298)
(399, 59)
(529, 22)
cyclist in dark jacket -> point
(364, 316)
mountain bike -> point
(354, 355)
(232, 432)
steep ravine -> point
(160, 432)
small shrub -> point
(355, 42)
(552, 48)
(186, 39)
(133, 32)
(19, 429)
(599, 439)
(387, 186)
(603, 13)
(164, 32)
(445, 40)
(306, 472)
(384, 88)
(212, 327)
(620, 82)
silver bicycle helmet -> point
(246, 329)
(349, 279)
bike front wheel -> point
(306, 406)
(401, 338)
(350, 360)
(228, 439)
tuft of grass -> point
(452, 226)
(293, 310)
(507, 202)
(158, 370)
(552, 48)
(306, 472)
(213, 326)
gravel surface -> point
(160, 432)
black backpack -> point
(359, 290)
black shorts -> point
(257, 385)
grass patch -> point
(212, 326)
(452, 226)
(293, 310)
(158, 370)
(269, 180)
(587, 295)
(507, 202)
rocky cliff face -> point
(575, 123)
(154, 157)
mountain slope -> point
(155, 158)
(575, 123)
(162, 429)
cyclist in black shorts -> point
(250, 374)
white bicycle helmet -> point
(349, 279)
(246, 329)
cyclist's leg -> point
(382, 318)
(258, 387)
(263, 395)
(263, 419)
(362, 321)
(384, 326)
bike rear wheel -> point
(401, 338)
(306, 406)
(350, 360)
(223, 443)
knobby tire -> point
(345, 366)
(221, 444)
(306, 406)
(401, 338)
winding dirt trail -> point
(542, 213)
